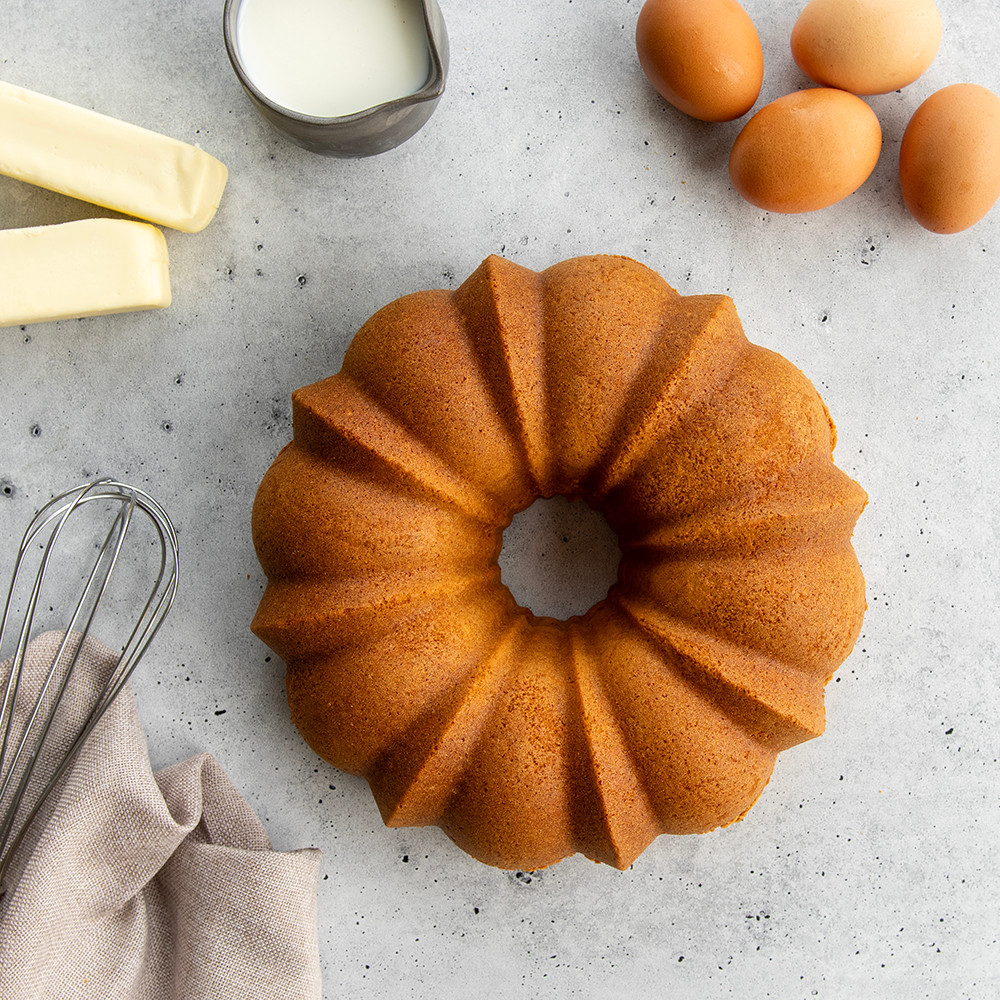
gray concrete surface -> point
(869, 867)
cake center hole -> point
(559, 558)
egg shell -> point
(703, 56)
(949, 160)
(866, 46)
(805, 151)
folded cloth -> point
(150, 886)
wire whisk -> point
(33, 754)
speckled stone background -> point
(870, 866)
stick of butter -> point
(84, 268)
(107, 162)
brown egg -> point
(805, 151)
(949, 161)
(703, 56)
(870, 47)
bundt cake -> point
(662, 709)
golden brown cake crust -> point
(663, 708)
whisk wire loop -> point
(74, 633)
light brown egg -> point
(866, 46)
(703, 56)
(949, 161)
(805, 151)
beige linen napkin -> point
(151, 886)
